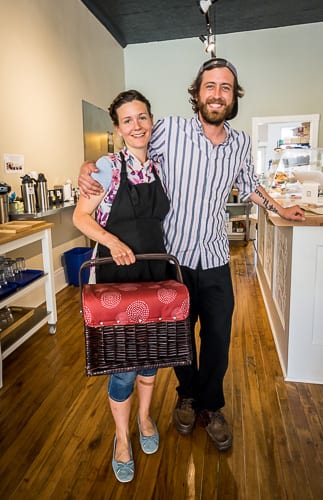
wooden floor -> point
(56, 429)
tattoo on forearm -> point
(266, 203)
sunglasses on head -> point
(217, 62)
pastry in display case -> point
(293, 171)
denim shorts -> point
(121, 385)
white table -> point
(41, 316)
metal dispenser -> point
(4, 202)
(28, 194)
(42, 193)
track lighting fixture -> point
(208, 39)
(209, 43)
(205, 5)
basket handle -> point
(141, 256)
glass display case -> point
(277, 133)
(291, 169)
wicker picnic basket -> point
(132, 326)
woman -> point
(128, 220)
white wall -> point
(53, 54)
(279, 69)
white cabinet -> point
(290, 270)
(41, 315)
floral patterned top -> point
(109, 177)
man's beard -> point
(214, 117)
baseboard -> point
(59, 278)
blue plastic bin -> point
(73, 259)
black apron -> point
(136, 219)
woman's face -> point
(135, 125)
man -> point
(201, 159)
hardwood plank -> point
(56, 429)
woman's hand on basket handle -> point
(83, 220)
(121, 253)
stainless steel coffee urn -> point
(41, 193)
(28, 194)
(4, 202)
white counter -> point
(290, 273)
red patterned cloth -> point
(131, 303)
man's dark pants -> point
(212, 302)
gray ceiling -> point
(140, 21)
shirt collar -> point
(134, 162)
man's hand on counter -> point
(263, 199)
(292, 213)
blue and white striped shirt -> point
(198, 178)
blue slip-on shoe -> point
(124, 471)
(149, 444)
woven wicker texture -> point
(123, 348)
(136, 325)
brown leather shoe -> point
(184, 415)
(217, 428)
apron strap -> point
(123, 173)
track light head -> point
(210, 44)
(205, 5)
